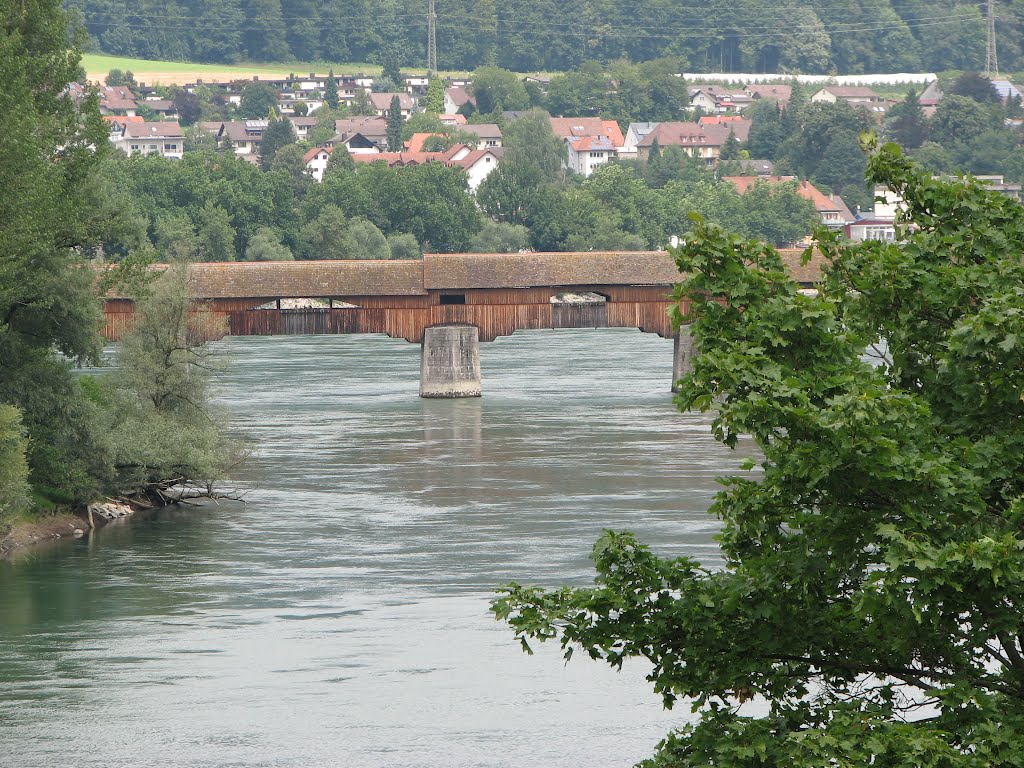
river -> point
(339, 617)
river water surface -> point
(340, 616)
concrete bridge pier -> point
(684, 350)
(450, 361)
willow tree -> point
(870, 603)
(164, 431)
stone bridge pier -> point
(450, 361)
(683, 351)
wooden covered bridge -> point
(446, 302)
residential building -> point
(586, 154)
(703, 142)
(245, 135)
(780, 94)
(316, 161)
(488, 134)
(852, 95)
(635, 133)
(737, 125)
(162, 108)
(456, 97)
(362, 135)
(833, 211)
(1007, 91)
(590, 141)
(117, 100)
(164, 138)
(718, 100)
(477, 164)
(302, 125)
(382, 103)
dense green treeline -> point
(65, 438)
(814, 36)
(215, 206)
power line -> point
(784, 29)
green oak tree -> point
(872, 587)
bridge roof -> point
(529, 270)
(302, 279)
(440, 272)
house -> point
(586, 154)
(456, 97)
(452, 119)
(162, 108)
(164, 138)
(589, 141)
(477, 164)
(578, 127)
(833, 211)
(302, 125)
(417, 85)
(853, 95)
(700, 142)
(737, 125)
(717, 100)
(245, 135)
(117, 100)
(634, 134)
(316, 161)
(362, 135)
(780, 94)
(1007, 91)
(381, 103)
(931, 95)
(870, 228)
(488, 134)
(398, 159)
(417, 140)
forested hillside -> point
(816, 36)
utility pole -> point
(991, 57)
(432, 38)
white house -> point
(455, 98)
(477, 163)
(316, 161)
(586, 154)
(165, 139)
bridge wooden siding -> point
(502, 293)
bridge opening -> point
(453, 298)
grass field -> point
(180, 72)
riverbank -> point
(29, 533)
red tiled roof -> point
(805, 189)
(416, 142)
(579, 127)
(306, 158)
(474, 157)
